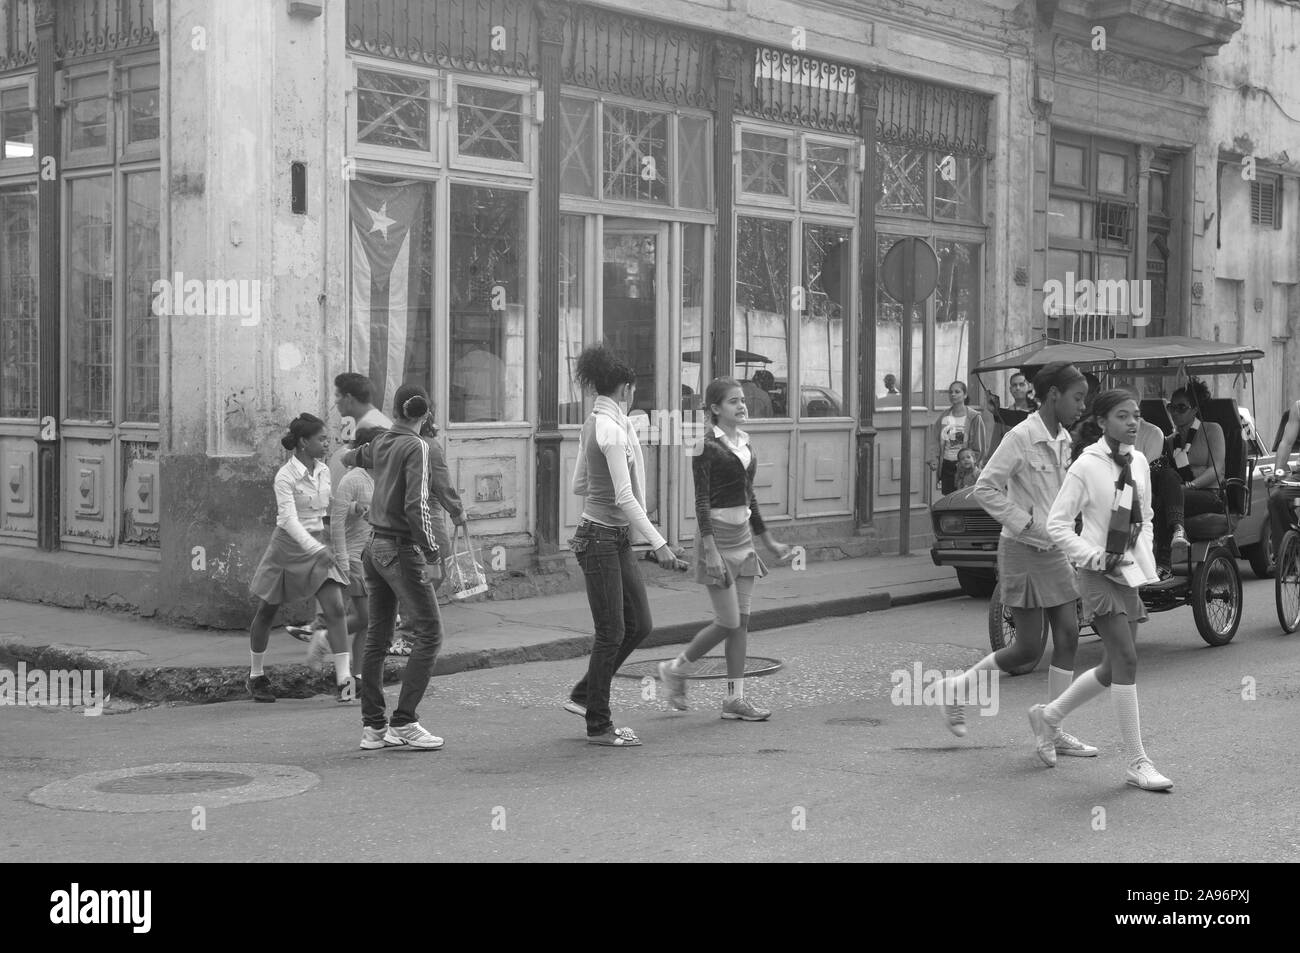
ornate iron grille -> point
(485, 36)
(20, 35)
(640, 58)
(90, 27)
(797, 90)
(940, 117)
(1114, 223)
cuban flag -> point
(390, 306)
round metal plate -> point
(174, 782)
(709, 667)
(181, 786)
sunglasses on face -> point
(1180, 408)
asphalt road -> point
(839, 773)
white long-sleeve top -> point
(301, 502)
(1089, 488)
(616, 440)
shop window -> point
(762, 314)
(493, 126)
(88, 113)
(143, 190)
(695, 263)
(764, 164)
(902, 180)
(827, 176)
(956, 311)
(957, 182)
(573, 313)
(142, 104)
(823, 333)
(89, 299)
(928, 183)
(695, 171)
(889, 340)
(634, 151)
(393, 111)
(19, 313)
(577, 170)
(17, 125)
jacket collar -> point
(1040, 433)
(299, 471)
(742, 438)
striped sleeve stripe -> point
(426, 517)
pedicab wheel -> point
(1286, 582)
(1216, 597)
(1261, 554)
(1002, 629)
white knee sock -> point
(1058, 680)
(1084, 688)
(1125, 698)
(256, 669)
(971, 678)
(735, 688)
(342, 667)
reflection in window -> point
(573, 295)
(694, 261)
(635, 151)
(956, 311)
(889, 336)
(487, 283)
(392, 110)
(826, 273)
(764, 164)
(903, 176)
(19, 317)
(89, 96)
(489, 123)
(828, 173)
(578, 145)
(142, 270)
(15, 124)
(957, 188)
(695, 170)
(142, 104)
(90, 299)
(761, 320)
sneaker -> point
(318, 650)
(1045, 734)
(374, 738)
(1144, 775)
(615, 738)
(1178, 546)
(400, 646)
(740, 709)
(674, 685)
(1164, 572)
(347, 692)
(259, 686)
(414, 735)
(953, 715)
(300, 632)
(1072, 747)
(576, 708)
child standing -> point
(968, 468)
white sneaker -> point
(1178, 546)
(954, 715)
(1044, 734)
(1071, 746)
(413, 735)
(1144, 775)
(374, 738)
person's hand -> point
(460, 520)
(1115, 560)
(360, 508)
(781, 551)
(665, 557)
(716, 571)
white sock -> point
(1125, 698)
(970, 677)
(342, 667)
(256, 669)
(735, 688)
(1084, 688)
(1058, 680)
(680, 665)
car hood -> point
(963, 499)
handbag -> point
(464, 568)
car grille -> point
(981, 524)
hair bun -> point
(414, 407)
(289, 441)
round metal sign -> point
(915, 284)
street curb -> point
(227, 683)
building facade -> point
(464, 194)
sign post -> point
(910, 273)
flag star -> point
(379, 220)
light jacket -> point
(1089, 489)
(301, 502)
(1022, 478)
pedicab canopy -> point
(1148, 356)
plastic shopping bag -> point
(464, 568)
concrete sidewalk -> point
(148, 661)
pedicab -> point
(1286, 576)
(1207, 580)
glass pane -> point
(1157, 274)
(143, 104)
(693, 162)
(827, 270)
(16, 125)
(956, 313)
(1112, 267)
(630, 308)
(1157, 192)
(889, 336)
(573, 302)
(695, 259)
(578, 142)
(1065, 218)
(90, 112)
(142, 270)
(392, 110)
(90, 299)
(489, 246)
(19, 317)
(489, 123)
(1067, 165)
(828, 173)
(903, 176)
(957, 188)
(635, 154)
(762, 313)
(1112, 170)
(392, 283)
(764, 164)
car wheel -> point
(1261, 554)
(977, 583)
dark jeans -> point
(619, 611)
(1281, 513)
(948, 477)
(397, 571)
(1173, 504)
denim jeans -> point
(1281, 513)
(619, 611)
(1172, 504)
(396, 571)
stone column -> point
(726, 64)
(868, 104)
(50, 355)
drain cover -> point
(711, 666)
(180, 786)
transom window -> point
(786, 168)
(17, 125)
(393, 111)
(928, 183)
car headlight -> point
(952, 524)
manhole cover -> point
(856, 722)
(175, 782)
(709, 667)
(181, 786)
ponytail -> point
(303, 427)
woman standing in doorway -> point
(1110, 485)
(726, 512)
(609, 476)
(298, 562)
(957, 428)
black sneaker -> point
(259, 686)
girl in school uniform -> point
(726, 563)
(298, 562)
(1110, 485)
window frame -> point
(13, 184)
(91, 157)
(144, 149)
(530, 109)
(1274, 180)
(435, 98)
(19, 165)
